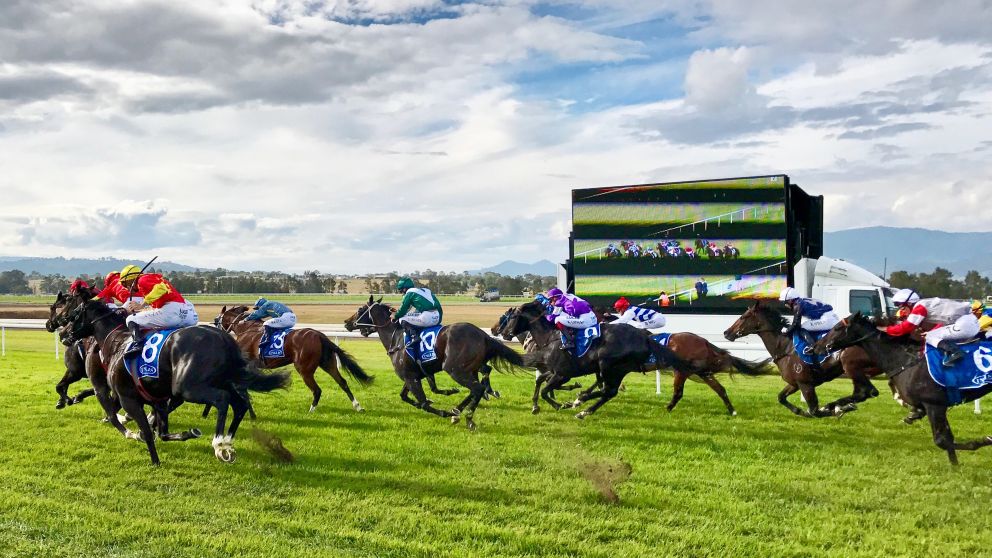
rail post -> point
(56, 336)
(657, 382)
(3, 341)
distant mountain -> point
(72, 267)
(512, 268)
(910, 249)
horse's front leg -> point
(593, 391)
(813, 402)
(422, 402)
(432, 383)
(547, 393)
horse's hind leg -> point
(82, 395)
(137, 410)
(332, 370)
(678, 388)
(62, 388)
(308, 379)
(220, 400)
(813, 402)
(611, 386)
(716, 386)
(541, 378)
(548, 391)
(422, 403)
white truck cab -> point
(845, 286)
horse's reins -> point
(368, 312)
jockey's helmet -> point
(260, 302)
(977, 307)
(554, 293)
(905, 296)
(621, 305)
(404, 284)
(130, 273)
(788, 294)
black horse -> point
(621, 349)
(908, 377)
(74, 357)
(198, 364)
(463, 351)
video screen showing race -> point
(693, 246)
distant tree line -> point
(312, 281)
(941, 282)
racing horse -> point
(305, 349)
(74, 357)
(703, 358)
(198, 364)
(767, 323)
(909, 378)
(463, 351)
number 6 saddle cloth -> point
(971, 372)
(145, 363)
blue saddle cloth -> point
(274, 345)
(971, 372)
(805, 350)
(662, 339)
(145, 363)
(427, 338)
(584, 338)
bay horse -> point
(463, 351)
(74, 357)
(621, 349)
(767, 323)
(909, 378)
(305, 348)
(198, 364)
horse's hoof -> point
(534, 410)
(60, 405)
(358, 407)
(733, 413)
(455, 411)
(312, 408)
(455, 419)
(497, 394)
(470, 424)
(225, 454)
(582, 415)
(195, 432)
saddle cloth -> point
(805, 350)
(971, 372)
(275, 345)
(662, 339)
(426, 338)
(584, 339)
(145, 363)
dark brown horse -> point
(908, 377)
(705, 360)
(767, 323)
(463, 350)
(306, 349)
(199, 364)
(74, 357)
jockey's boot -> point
(137, 339)
(568, 338)
(952, 353)
(809, 339)
(266, 335)
(413, 334)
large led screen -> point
(708, 246)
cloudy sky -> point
(364, 135)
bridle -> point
(219, 322)
(368, 312)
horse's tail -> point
(247, 376)
(746, 367)
(329, 350)
(503, 358)
(666, 358)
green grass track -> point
(397, 482)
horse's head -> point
(757, 318)
(60, 301)
(848, 332)
(369, 317)
(60, 309)
(228, 317)
(497, 328)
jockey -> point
(571, 313)
(419, 309)
(545, 301)
(925, 313)
(809, 316)
(964, 328)
(168, 308)
(279, 316)
(638, 316)
(113, 292)
(985, 322)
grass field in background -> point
(397, 482)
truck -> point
(845, 286)
(489, 295)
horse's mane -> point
(770, 314)
(532, 307)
